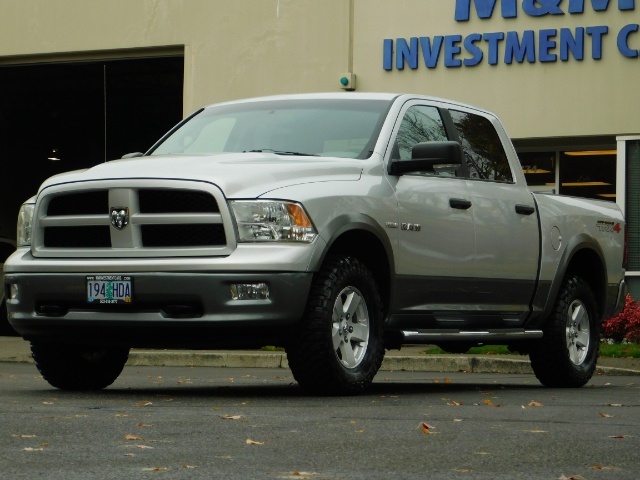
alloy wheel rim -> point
(577, 332)
(350, 327)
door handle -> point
(459, 203)
(524, 209)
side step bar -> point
(496, 336)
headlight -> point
(272, 221)
(25, 219)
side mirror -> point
(133, 155)
(435, 157)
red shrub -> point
(625, 325)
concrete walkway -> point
(410, 358)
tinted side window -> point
(419, 124)
(485, 156)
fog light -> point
(13, 291)
(249, 291)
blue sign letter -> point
(596, 34)
(431, 53)
(387, 54)
(493, 39)
(623, 41)
(404, 51)
(484, 9)
(538, 8)
(547, 42)
(577, 6)
(515, 49)
(569, 43)
(473, 49)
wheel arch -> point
(582, 257)
(362, 237)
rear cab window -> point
(484, 153)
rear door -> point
(506, 223)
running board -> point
(494, 336)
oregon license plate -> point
(109, 289)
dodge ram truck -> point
(337, 226)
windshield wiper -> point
(280, 152)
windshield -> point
(322, 127)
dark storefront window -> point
(589, 174)
(540, 170)
(58, 117)
(581, 173)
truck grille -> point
(165, 220)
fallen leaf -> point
(31, 449)
(488, 403)
(155, 469)
(454, 403)
(231, 417)
(122, 414)
(600, 467)
(605, 415)
(144, 425)
(132, 437)
(534, 404)
(425, 427)
(447, 380)
(248, 441)
(619, 436)
(144, 447)
(143, 404)
(189, 466)
(47, 403)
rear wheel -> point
(73, 367)
(338, 347)
(567, 354)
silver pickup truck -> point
(334, 225)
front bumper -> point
(169, 309)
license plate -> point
(109, 289)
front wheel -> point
(73, 367)
(567, 354)
(338, 347)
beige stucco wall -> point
(233, 48)
(239, 48)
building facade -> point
(84, 82)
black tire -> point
(73, 367)
(566, 356)
(338, 347)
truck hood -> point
(238, 175)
